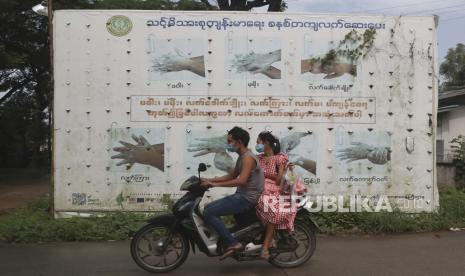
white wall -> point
(101, 162)
(450, 125)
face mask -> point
(260, 148)
(232, 148)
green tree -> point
(244, 5)
(24, 76)
(453, 68)
(134, 4)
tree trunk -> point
(239, 5)
(243, 5)
(256, 4)
(275, 6)
(224, 5)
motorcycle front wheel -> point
(156, 248)
(305, 237)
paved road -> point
(441, 253)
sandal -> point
(273, 244)
(265, 255)
(231, 250)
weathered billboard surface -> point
(142, 97)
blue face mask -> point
(232, 148)
(260, 148)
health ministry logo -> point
(119, 25)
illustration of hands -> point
(142, 152)
(177, 61)
(258, 63)
(291, 141)
(222, 160)
(307, 164)
(296, 159)
(359, 151)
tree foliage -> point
(244, 5)
(24, 76)
(134, 4)
(453, 67)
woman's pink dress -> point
(269, 203)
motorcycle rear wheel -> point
(305, 236)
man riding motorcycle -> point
(247, 176)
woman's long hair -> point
(266, 136)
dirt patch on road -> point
(18, 188)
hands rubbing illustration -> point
(217, 145)
(142, 152)
(360, 151)
(305, 163)
(332, 70)
(291, 141)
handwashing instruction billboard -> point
(142, 97)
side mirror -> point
(202, 167)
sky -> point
(451, 29)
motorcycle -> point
(163, 244)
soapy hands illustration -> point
(258, 63)
(178, 61)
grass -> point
(34, 224)
(451, 214)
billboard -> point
(142, 97)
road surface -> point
(439, 253)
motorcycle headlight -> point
(189, 182)
(185, 186)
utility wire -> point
(451, 11)
(453, 18)
(436, 9)
(405, 5)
